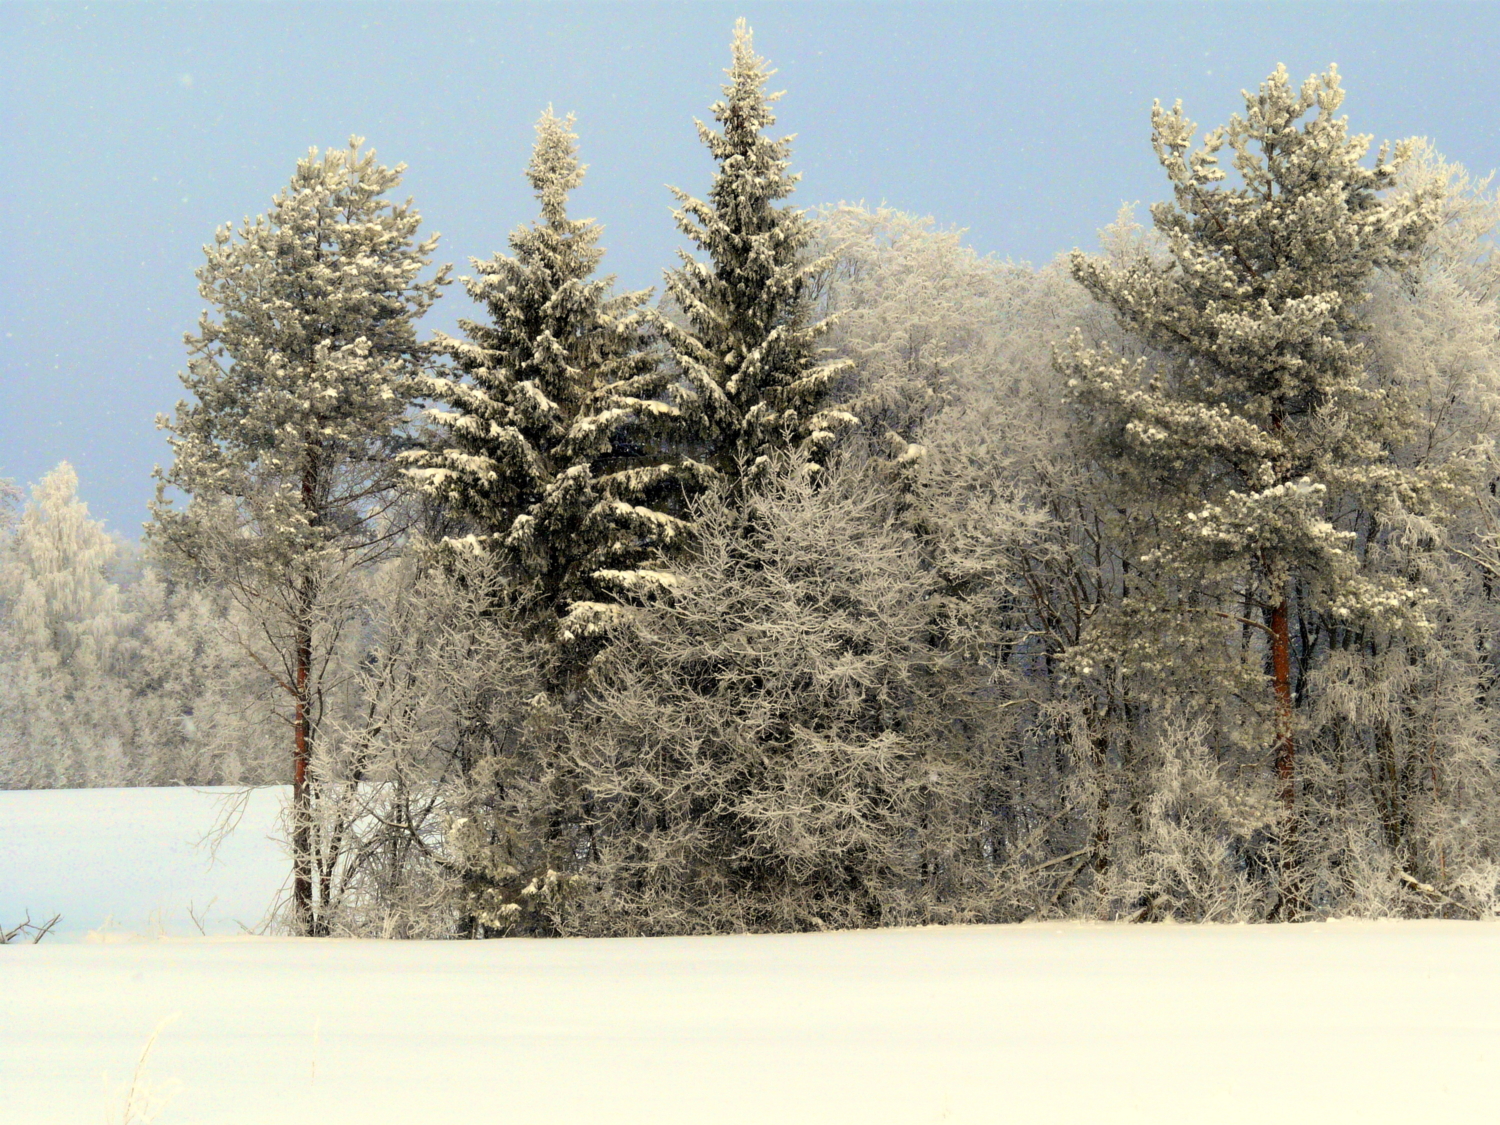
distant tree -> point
(545, 445)
(751, 379)
(301, 388)
(1262, 411)
(66, 605)
(10, 496)
(201, 714)
(110, 675)
(67, 713)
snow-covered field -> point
(1366, 1022)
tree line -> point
(858, 580)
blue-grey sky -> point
(131, 131)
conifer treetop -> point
(542, 445)
(1260, 294)
(752, 378)
(302, 371)
(745, 114)
(1256, 419)
(568, 248)
(554, 169)
(1298, 237)
(754, 173)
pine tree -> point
(751, 378)
(1261, 413)
(301, 386)
(546, 451)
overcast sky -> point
(130, 131)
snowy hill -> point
(1367, 1022)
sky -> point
(130, 132)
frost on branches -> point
(750, 377)
(781, 747)
(1259, 422)
(545, 448)
(301, 379)
(921, 318)
(110, 675)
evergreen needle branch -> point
(1223, 230)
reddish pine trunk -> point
(1281, 675)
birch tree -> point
(65, 708)
(920, 318)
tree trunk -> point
(302, 820)
(302, 859)
(1290, 905)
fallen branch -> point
(28, 928)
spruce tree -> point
(752, 380)
(545, 450)
(301, 386)
(1260, 415)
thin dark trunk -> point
(1291, 905)
(302, 851)
(302, 859)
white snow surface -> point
(1344, 1021)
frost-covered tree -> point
(66, 605)
(110, 675)
(751, 379)
(66, 711)
(780, 746)
(301, 379)
(546, 447)
(201, 714)
(1261, 416)
(920, 317)
(1402, 815)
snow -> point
(1347, 1021)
